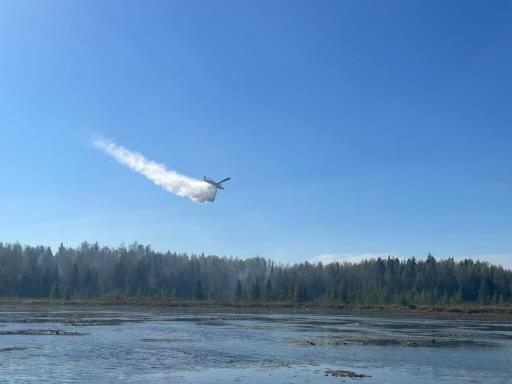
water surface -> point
(169, 346)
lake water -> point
(158, 346)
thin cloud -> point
(504, 258)
(328, 258)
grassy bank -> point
(462, 311)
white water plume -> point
(196, 190)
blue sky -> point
(350, 128)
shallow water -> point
(136, 346)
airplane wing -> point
(226, 179)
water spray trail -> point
(196, 190)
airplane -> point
(216, 184)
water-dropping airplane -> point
(216, 184)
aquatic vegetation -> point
(342, 373)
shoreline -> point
(502, 313)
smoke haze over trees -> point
(92, 271)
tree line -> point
(91, 271)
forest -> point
(91, 271)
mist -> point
(196, 190)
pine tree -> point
(75, 281)
(268, 290)
(238, 293)
(198, 291)
(55, 291)
(255, 291)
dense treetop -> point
(137, 270)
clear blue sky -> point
(348, 127)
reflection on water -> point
(134, 346)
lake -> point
(84, 345)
